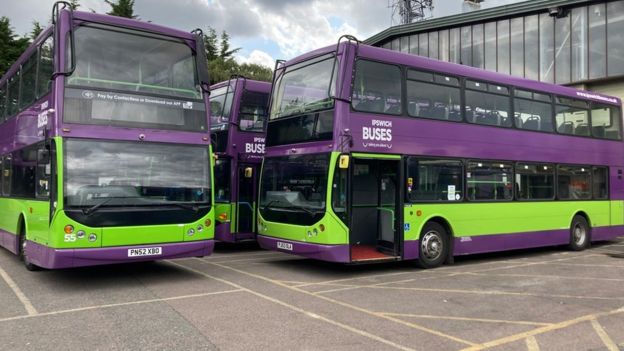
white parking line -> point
(295, 308)
(97, 307)
(30, 309)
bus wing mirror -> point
(343, 162)
(248, 172)
(202, 62)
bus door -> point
(246, 199)
(376, 204)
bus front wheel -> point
(22, 252)
(434, 245)
(579, 234)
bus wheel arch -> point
(22, 242)
(580, 232)
(435, 243)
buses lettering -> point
(254, 148)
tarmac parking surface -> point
(243, 298)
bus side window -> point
(377, 88)
(605, 122)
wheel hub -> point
(431, 245)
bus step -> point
(369, 253)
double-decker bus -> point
(238, 113)
(376, 155)
(105, 144)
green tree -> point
(37, 29)
(221, 63)
(225, 52)
(210, 44)
(255, 71)
(122, 8)
(11, 46)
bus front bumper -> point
(50, 258)
(329, 253)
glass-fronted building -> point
(570, 42)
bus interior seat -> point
(581, 129)
(470, 116)
(518, 120)
(413, 109)
(566, 128)
(598, 131)
(454, 115)
(532, 123)
(394, 109)
(369, 105)
(438, 112)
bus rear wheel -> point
(434, 245)
(579, 234)
(22, 252)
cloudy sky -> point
(265, 29)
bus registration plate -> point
(284, 246)
(145, 251)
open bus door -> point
(376, 204)
(246, 200)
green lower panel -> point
(471, 219)
(34, 212)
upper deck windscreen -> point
(305, 87)
(131, 78)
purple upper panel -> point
(243, 146)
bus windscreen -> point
(134, 79)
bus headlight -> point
(190, 232)
(200, 228)
(92, 237)
(80, 234)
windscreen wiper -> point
(193, 207)
(306, 210)
(90, 210)
(269, 204)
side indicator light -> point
(68, 229)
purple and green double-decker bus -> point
(375, 155)
(238, 114)
(104, 144)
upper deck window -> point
(377, 88)
(253, 111)
(487, 104)
(572, 116)
(305, 87)
(533, 111)
(432, 95)
(605, 122)
(134, 79)
(220, 107)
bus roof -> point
(420, 62)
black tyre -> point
(22, 252)
(580, 234)
(434, 245)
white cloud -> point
(258, 57)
